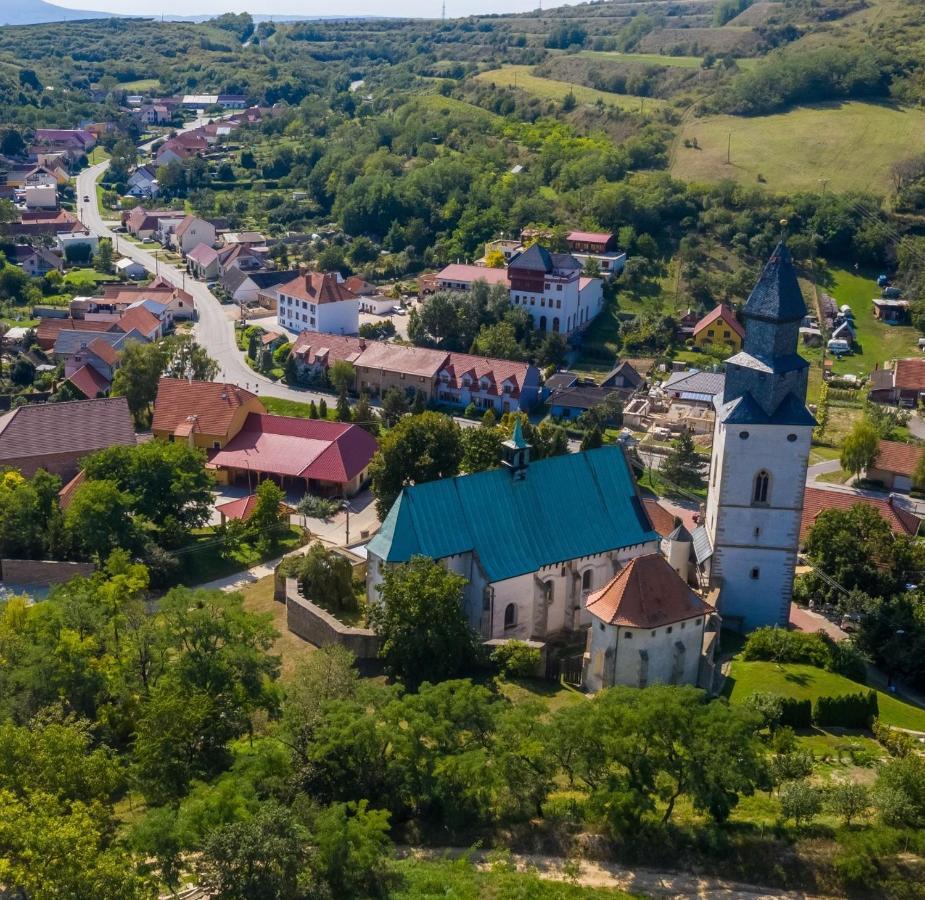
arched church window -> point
(586, 580)
(510, 615)
(762, 483)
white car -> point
(398, 310)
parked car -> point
(398, 310)
(86, 198)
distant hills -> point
(32, 12)
(35, 12)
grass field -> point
(139, 85)
(281, 407)
(87, 276)
(808, 683)
(878, 342)
(522, 77)
(850, 145)
(207, 562)
(658, 59)
(97, 155)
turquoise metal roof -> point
(578, 504)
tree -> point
(185, 359)
(394, 406)
(22, 534)
(899, 792)
(847, 799)
(423, 630)
(351, 848)
(342, 376)
(322, 408)
(552, 351)
(22, 372)
(257, 859)
(417, 449)
(364, 415)
(592, 439)
(918, 475)
(494, 259)
(167, 482)
(104, 256)
(269, 517)
(860, 448)
(799, 801)
(136, 379)
(326, 578)
(682, 465)
(481, 448)
(98, 519)
(498, 341)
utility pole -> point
(443, 12)
(729, 149)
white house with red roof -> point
(648, 626)
(316, 301)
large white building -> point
(761, 445)
(315, 301)
(549, 286)
(533, 540)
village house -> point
(202, 262)
(40, 196)
(719, 328)
(891, 310)
(143, 223)
(649, 627)
(549, 286)
(129, 268)
(50, 327)
(143, 182)
(533, 540)
(315, 301)
(190, 233)
(902, 383)
(894, 466)
(245, 257)
(74, 142)
(48, 223)
(245, 286)
(902, 520)
(91, 368)
(36, 260)
(56, 436)
(569, 396)
(116, 298)
(180, 148)
(601, 247)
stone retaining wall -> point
(319, 627)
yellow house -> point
(206, 414)
(719, 328)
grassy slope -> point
(808, 682)
(522, 77)
(879, 342)
(658, 59)
(852, 145)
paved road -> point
(214, 329)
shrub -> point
(800, 801)
(848, 710)
(781, 646)
(515, 659)
(796, 713)
(897, 743)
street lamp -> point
(345, 505)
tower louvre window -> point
(761, 486)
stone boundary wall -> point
(319, 627)
(42, 572)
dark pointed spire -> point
(777, 296)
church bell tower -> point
(761, 443)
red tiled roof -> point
(663, 521)
(270, 337)
(89, 382)
(647, 593)
(818, 500)
(243, 507)
(213, 403)
(66, 494)
(106, 352)
(721, 312)
(590, 237)
(893, 456)
(317, 288)
(77, 427)
(498, 371)
(302, 448)
(141, 320)
(43, 217)
(909, 374)
(468, 274)
(359, 286)
(203, 254)
(314, 346)
(49, 329)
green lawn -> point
(140, 85)
(97, 155)
(554, 695)
(87, 276)
(809, 683)
(207, 561)
(281, 407)
(522, 77)
(851, 145)
(878, 342)
(658, 59)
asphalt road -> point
(214, 330)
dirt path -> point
(646, 882)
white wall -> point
(615, 654)
(342, 317)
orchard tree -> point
(136, 379)
(418, 449)
(860, 448)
